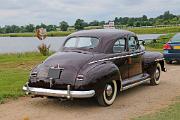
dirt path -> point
(130, 103)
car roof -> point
(106, 37)
(102, 34)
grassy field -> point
(170, 113)
(50, 34)
(159, 30)
(14, 72)
(158, 45)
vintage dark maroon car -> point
(96, 63)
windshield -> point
(176, 38)
(82, 42)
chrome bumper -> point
(59, 93)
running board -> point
(135, 84)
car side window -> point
(119, 46)
(132, 44)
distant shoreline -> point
(159, 30)
(49, 34)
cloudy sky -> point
(21, 12)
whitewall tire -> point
(107, 97)
(155, 78)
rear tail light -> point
(34, 74)
(80, 78)
(166, 47)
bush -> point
(44, 49)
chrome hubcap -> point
(157, 74)
(109, 90)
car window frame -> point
(137, 44)
(79, 47)
(125, 45)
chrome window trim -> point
(117, 57)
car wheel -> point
(155, 77)
(107, 97)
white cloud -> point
(53, 11)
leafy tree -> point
(64, 26)
(144, 18)
(138, 24)
(15, 29)
(22, 29)
(130, 22)
(102, 23)
(86, 24)
(50, 28)
(8, 29)
(79, 24)
(2, 30)
(43, 26)
(38, 26)
(94, 23)
(29, 28)
(116, 21)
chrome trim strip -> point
(68, 92)
(59, 93)
(135, 84)
(117, 57)
(159, 59)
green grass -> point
(50, 34)
(59, 33)
(17, 35)
(14, 72)
(159, 30)
(158, 45)
(170, 113)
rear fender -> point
(98, 76)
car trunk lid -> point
(69, 62)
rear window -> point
(82, 42)
(176, 38)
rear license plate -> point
(176, 47)
(54, 73)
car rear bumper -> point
(172, 56)
(58, 93)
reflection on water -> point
(28, 44)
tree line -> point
(165, 19)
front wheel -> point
(107, 97)
(155, 77)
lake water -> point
(149, 36)
(29, 44)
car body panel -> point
(173, 53)
(84, 69)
